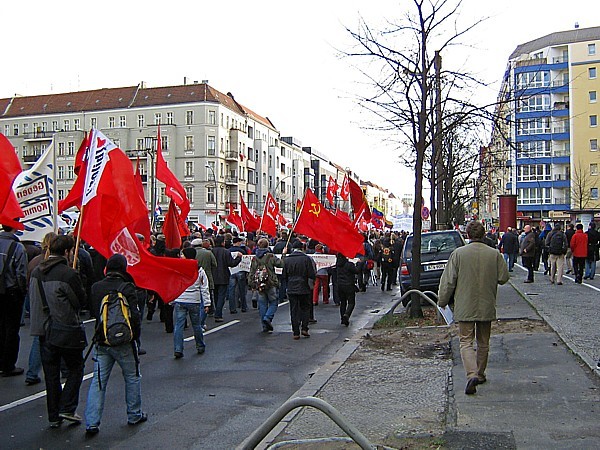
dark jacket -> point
(16, 274)
(64, 294)
(297, 269)
(206, 259)
(569, 233)
(224, 261)
(346, 272)
(593, 242)
(112, 282)
(528, 245)
(509, 242)
(279, 246)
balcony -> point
(30, 158)
(231, 156)
(531, 62)
(562, 200)
(231, 180)
(560, 106)
(560, 129)
(561, 177)
(38, 135)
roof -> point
(122, 98)
(558, 38)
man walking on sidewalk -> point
(472, 275)
(528, 252)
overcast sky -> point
(277, 57)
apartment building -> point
(219, 149)
(544, 146)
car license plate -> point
(434, 267)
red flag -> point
(345, 190)
(269, 217)
(359, 201)
(109, 212)
(234, 218)
(173, 188)
(344, 216)
(249, 220)
(170, 227)
(318, 223)
(73, 198)
(10, 167)
(362, 225)
(281, 220)
(298, 205)
(142, 226)
(332, 188)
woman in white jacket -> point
(191, 302)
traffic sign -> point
(424, 213)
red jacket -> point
(579, 243)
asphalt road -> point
(212, 401)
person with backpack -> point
(114, 305)
(263, 280)
(191, 303)
(556, 242)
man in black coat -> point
(509, 245)
(592, 256)
(346, 280)
(298, 268)
(221, 274)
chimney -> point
(184, 81)
(576, 25)
(204, 81)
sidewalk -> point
(540, 392)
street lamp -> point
(276, 191)
(209, 167)
(150, 149)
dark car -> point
(436, 247)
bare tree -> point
(581, 186)
(401, 71)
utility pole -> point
(437, 146)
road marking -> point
(42, 394)
(568, 278)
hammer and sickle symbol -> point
(316, 210)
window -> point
(55, 125)
(210, 146)
(139, 144)
(66, 125)
(593, 120)
(189, 191)
(16, 129)
(593, 169)
(70, 173)
(93, 122)
(592, 96)
(270, 161)
(6, 130)
(61, 149)
(535, 103)
(533, 79)
(594, 193)
(122, 121)
(170, 120)
(591, 49)
(61, 172)
(212, 117)
(210, 171)
(189, 117)
(592, 73)
(25, 128)
(77, 124)
(157, 118)
(189, 143)
(534, 126)
(534, 196)
(44, 126)
(70, 148)
(594, 145)
(210, 194)
(189, 169)
(111, 122)
(141, 120)
(164, 143)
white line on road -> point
(567, 277)
(42, 394)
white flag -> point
(100, 146)
(35, 190)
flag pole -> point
(297, 218)
(78, 242)
(54, 201)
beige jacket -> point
(472, 275)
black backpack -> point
(115, 319)
(4, 268)
(558, 243)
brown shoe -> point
(305, 333)
(471, 386)
(296, 337)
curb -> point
(320, 378)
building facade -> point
(219, 149)
(544, 146)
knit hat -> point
(116, 263)
(196, 242)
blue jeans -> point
(181, 312)
(510, 260)
(590, 269)
(35, 360)
(105, 358)
(267, 304)
(236, 291)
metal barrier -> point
(422, 295)
(261, 432)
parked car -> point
(436, 248)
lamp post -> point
(209, 167)
(276, 191)
(150, 150)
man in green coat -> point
(472, 275)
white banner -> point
(322, 262)
(34, 189)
